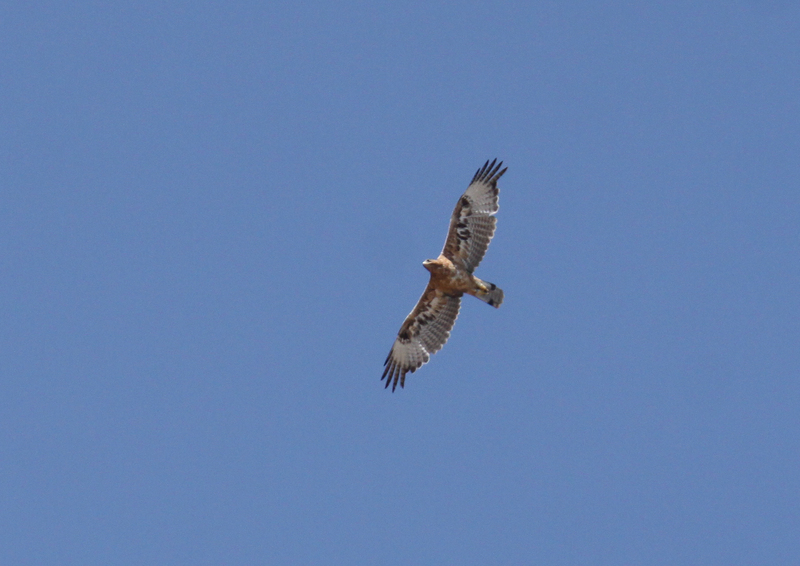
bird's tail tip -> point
(493, 294)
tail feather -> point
(494, 296)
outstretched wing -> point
(423, 333)
(473, 222)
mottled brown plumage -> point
(428, 327)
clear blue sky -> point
(213, 218)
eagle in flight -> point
(427, 328)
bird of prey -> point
(428, 326)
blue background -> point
(212, 222)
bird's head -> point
(430, 264)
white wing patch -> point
(482, 191)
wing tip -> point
(393, 373)
(490, 172)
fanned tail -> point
(493, 294)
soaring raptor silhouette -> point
(427, 328)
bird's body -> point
(451, 279)
(427, 327)
(448, 278)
